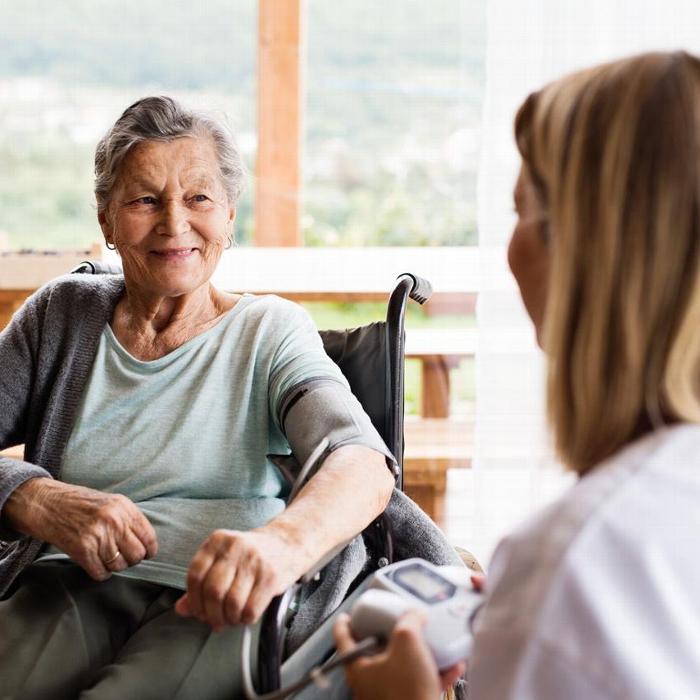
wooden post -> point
(278, 193)
(436, 386)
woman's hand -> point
(90, 526)
(234, 575)
(406, 669)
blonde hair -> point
(614, 153)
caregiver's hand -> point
(479, 582)
(234, 575)
(89, 526)
(406, 668)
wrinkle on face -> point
(148, 170)
(169, 195)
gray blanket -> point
(414, 535)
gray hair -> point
(163, 119)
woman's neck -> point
(150, 325)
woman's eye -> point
(146, 200)
(200, 198)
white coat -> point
(598, 597)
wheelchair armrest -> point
(317, 648)
(273, 626)
(271, 644)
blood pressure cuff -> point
(326, 408)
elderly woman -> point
(598, 596)
(146, 515)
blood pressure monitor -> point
(444, 594)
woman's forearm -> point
(234, 575)
(351, 489)
(23, 509)
(87, 525)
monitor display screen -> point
(424, 584)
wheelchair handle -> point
(421, 290)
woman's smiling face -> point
(169, 216)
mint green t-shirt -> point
(185, 437)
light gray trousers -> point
(63, 635)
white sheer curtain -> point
(530, 43)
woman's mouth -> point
(173, 253)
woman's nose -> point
(173, 219)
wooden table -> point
(22, 274)
(439, 350)
(434, 445)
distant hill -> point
(354, 45)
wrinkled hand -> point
(89, 526)
(405, 669)
(234, 575)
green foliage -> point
(383, 212)
(198, 45)
(389, 84)
(45, 194)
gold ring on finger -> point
(116, 556)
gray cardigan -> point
(46, 353)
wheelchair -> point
(372, 359)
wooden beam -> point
(278, 193)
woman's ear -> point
(232, 215)
(106, 226)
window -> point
(394, 100)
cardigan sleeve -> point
(18, 352)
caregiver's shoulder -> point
(620, 501)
